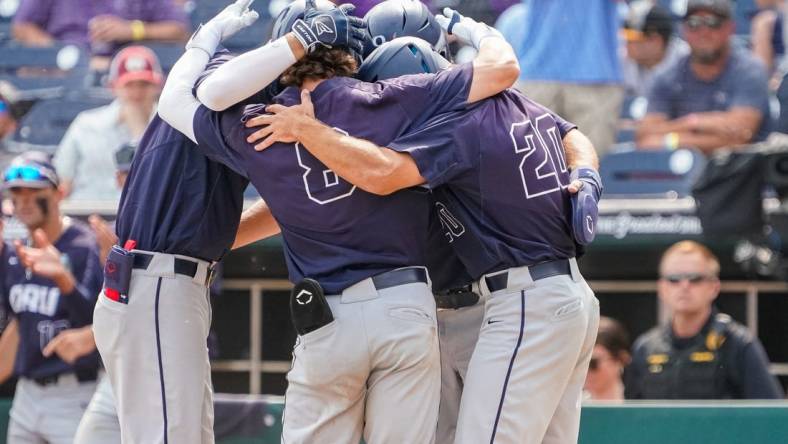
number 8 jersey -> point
(499, 175)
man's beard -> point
(707, 57)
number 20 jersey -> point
(499, 177)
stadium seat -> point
(651, 173)
(168, 53)
(44, 125)
(249, 38)
(59, 67)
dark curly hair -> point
(614, 337)
(324, 63)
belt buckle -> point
(210, 275)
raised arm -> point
(495, 67)
(240, 78)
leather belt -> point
(182, 266)
(456, 298)
(537, 272)
(82, 375)
(402, 276)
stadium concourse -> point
(684, 100)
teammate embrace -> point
(438, 202)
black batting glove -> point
(331, 29)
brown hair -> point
(614, 337)
(324, 63)
(692, 247)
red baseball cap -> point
(135, 63)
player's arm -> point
(495, 67)
(79, 286)
(579, 150)
(373, 168)
(239, 78)
(257, 223)
(177, 105)
(9, 343)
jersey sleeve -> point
(443, 148)
(220, 134)
(423, 96)
(34, 11)
(87, 272)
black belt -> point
(538, 271)
(456, 298)
(83, 375)
(182, 266)
(402, 276)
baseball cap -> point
(721, 8)
(135, 63)
(32, 169)
(645, 17)
(124, 156)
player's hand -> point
(45, 260)
(72, 344)
(282, 124)
(331, 29)
(467, 30)
(105, 237)
(586, 190)
(232, 19)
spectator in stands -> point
(105, 231)
(608, 360)
(87, 152)
(569, 60)
(700, 353)
(651, 45)
(717, 96)
(767, 36)
(100, 25)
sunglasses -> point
(28, 173)
(692, 278)
(696, 22)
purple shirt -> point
(499, 178)
(334, 232)
(67, 20)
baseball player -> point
(50, 290)
(179, 212)
(374, 369)
(501, 179)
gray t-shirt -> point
(743, 83)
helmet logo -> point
(378, 40)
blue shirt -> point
(498, 173)
(743, 83)
(176, 199)
(573, 41)
(42, 312)
(333, 231)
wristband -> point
(137, 30)
(305, 35)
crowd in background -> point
(643, 74)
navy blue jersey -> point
(176, 199)
(42, 311)
(334, 232)
(498, 171)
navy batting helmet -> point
(292, 12)
(401, 56)
(403, 18)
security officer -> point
(701, 353)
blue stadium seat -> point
(44, 125)
(5, 32)
(249, 38)
(63, 67)
(651, 173)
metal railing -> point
(257, 289)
